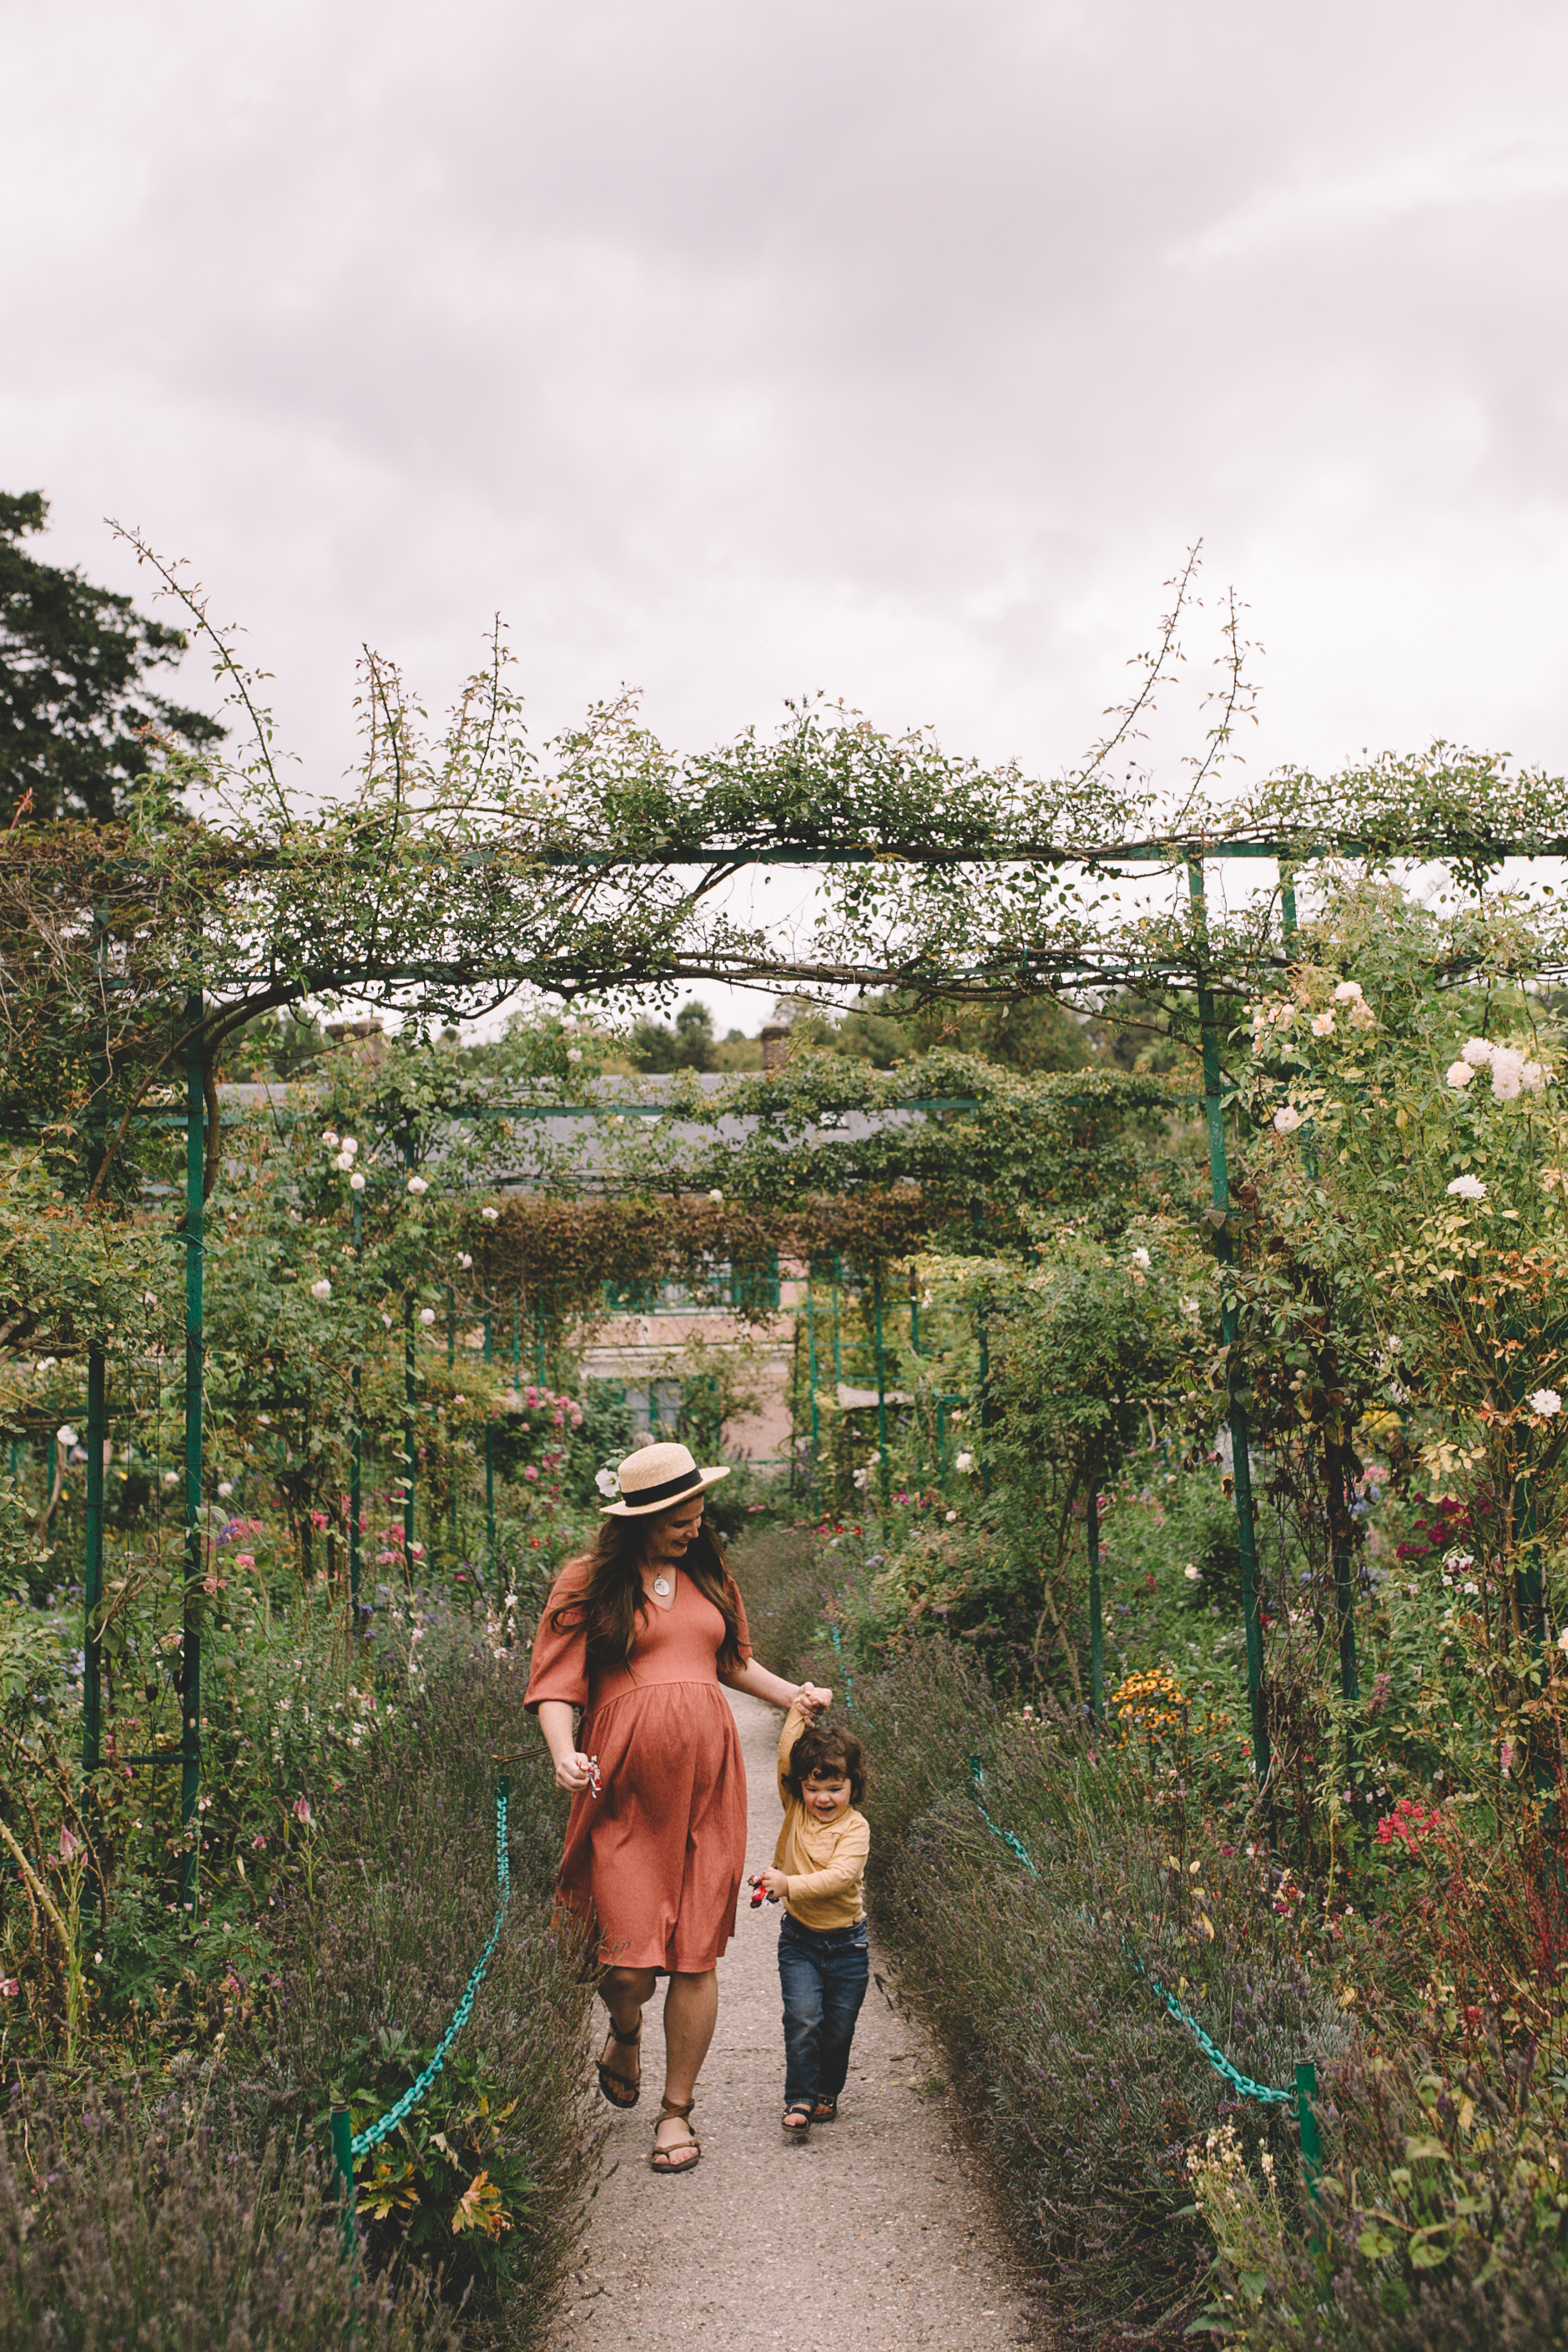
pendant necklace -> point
(662, 1587)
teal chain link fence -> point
(1298, 2103)
(348, 2144)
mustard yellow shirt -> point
(823, 1860)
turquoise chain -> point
(373, 2134)
(978, 1781)
(1241, 2083)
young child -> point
(819, 1865)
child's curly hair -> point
(836, 1753)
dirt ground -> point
(879, 2235)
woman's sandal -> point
(825, 2111)
(797, 2122)
(690, 2148)
(616, 2089)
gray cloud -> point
(735, 350)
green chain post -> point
(1230, 1325)
(341, 2129)
(1307, 2125)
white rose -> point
(344, 1162)
(427, 1316)
(608, 1482)
(1287, 1118)
(717, 1195)
(1467, 1188)
(574, 1052)
(350, 1145)
(1532, 1078)
(1348, 992)
(66, 1434)
(1362, 1016)
(464, 1262)
(1459, 1075)
(964, 1463)
(1478, 1053)
(1323, 1024)
(322, 1289)
(226, 1488)
(356, 1183)
(489, 1215)
(416, 1184)
(1507, 1073)
(1546, 1401)
(1140, 1258)
(331, 1141)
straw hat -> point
(654, 1479)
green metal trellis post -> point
(1096, 1618)
(1230, 1324)
(356, 1449)
(96, 1438)
(191, 1645)
(451, 1443)
(489, 1467)
(812, 1373)
(916, 1433)
(408, 1386)
(880, 1384)
(92, 1593)
(1340, 1559)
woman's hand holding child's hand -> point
(812, 1700)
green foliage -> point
(157, 2224)
(78, 724)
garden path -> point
(877, 2237)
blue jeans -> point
(824, 1973)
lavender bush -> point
(157, 2229)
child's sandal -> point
(797, 2122)
(690, 2148)
(825, 2111)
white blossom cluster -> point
(1512, 1071)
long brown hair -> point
(610, 1598)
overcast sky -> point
(736, 350)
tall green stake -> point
(812, 1374)
(883, 1474)
(490, 1474)
(191, 1646)
(408, 1409)
(93, 1595)
(356, 1452)
(1230, 1325)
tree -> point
(75, 709)
(689, 1045)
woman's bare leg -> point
(691, 2012)
(625, 1992)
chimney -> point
(775, 1045)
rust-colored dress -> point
(660, 1854)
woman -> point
(640, 1632)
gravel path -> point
(876, 2237)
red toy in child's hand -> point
(759, 1894)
